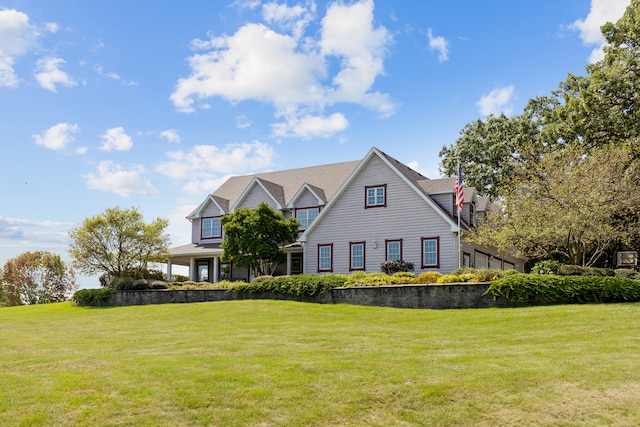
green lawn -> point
(278, 363)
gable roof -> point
(283, 185)
(411, 177)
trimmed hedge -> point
(91, 296)
(554, 289)
(300, 285)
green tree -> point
(570, 206)
(490, 149)
(36, 278)
(118, 242)
(254, 238)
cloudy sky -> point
(154, 104)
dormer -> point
(261, 190)
(206, 226)
(306, 204)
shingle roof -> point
(283, 185)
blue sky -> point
(154, 104)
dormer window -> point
(211, 228)
(306, 216)
(375, 196)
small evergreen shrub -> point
(261, 278)
(627, 273)
(570, 270)
(390, 267)
(428, 277)
(91, 296)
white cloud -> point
(171, 135)
(47, 232)
(242, 122)
(439, 44)
(294, 19)
(497, 101)
(601, 12)
(116, 139)
(290, 71)
(57, 136)
(17, 37)
(49, 74)
(204, 163)
(113, 178)
(311, 126)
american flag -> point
(459, 190)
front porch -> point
(205, 265)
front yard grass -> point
(282, 363)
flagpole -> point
(459, 229)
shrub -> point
(598, 272)
(570, 270)
(390, 267)
(428, 277)
(404, 277)
(123, 284)
(627, 273)
(299, 285)
(481, 274)
(179, 278)
(534, 288)
(450, 278)
(546, 267)
(261, 278)
(190, 285)
(91, 296)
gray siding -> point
(406, 216)
(306, 199)
(255, 196)
(210, 210)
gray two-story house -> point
(353, 215)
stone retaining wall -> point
(439, 296)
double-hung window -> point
(375, 196)
(394, 250)
(357, 256)
(211, 228)
(430, 252)
(325, 258)
(306, 216)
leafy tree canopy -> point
(118, 242)
(36, 278)
(565, 170)
(254, 238)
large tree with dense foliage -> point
(254, 238)
(565, 170)
(118, 242)
(570, 206)
(36, 278)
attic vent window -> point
(376, 196)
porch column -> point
(169, 278)
(288, 263)
(192, 269)
(215, 269)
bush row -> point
(557, 267)
(556, 289)
(300, 285)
